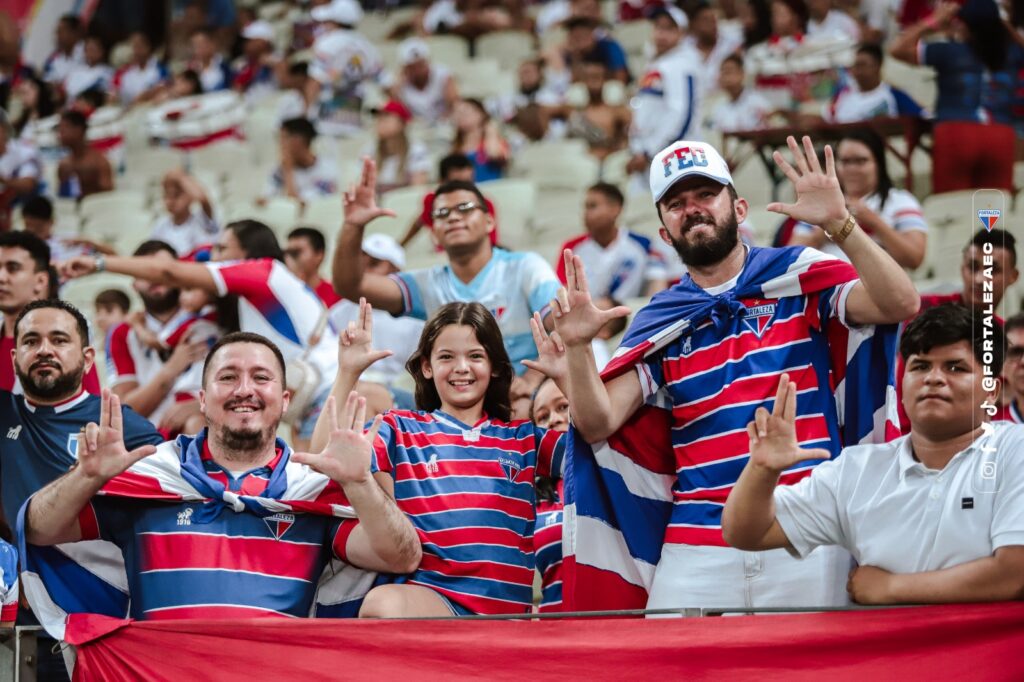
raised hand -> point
(773, 443)
(355, 343)
(360, 201)
(577, 319)
(551, 360)
(819, 199)
(102, 454)
(346, 457)
(79, 266)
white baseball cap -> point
(383, 247)
(677, 15)
(683, 159)
(412, 50)
(346, 12)
(259, 30)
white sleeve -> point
(808, 511)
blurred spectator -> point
(768, 60)
(891, 216)
(744, 107)
(112, 308)
(976, 267)
(254, 71)
(970, 150)
(637, 10)
(452, 167)
(470, 18)
(141, 371)
(84, 170)
(867, 96)
(755, 18)
(382, 255)
(37, 214)
(93, 74)
(1013, 371)
(400, 161)
(70, 50)
(825, 21)
(299, 98)
(537, 87)
(878, 19)
(343, 62)
(428, 90)
(24, 278)
(13, 71)
(668, 98)
(304, 256)
(185, 226)
(301, 175)
(20, 172)
(213, 70)
(144, 76)
(585, 43)
(36, 102)
(595, 113)
(712, 41)
(551, 14)
(479, 138)
(619, 264)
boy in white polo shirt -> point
(936, 516)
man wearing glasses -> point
(512, 285)
(1013, 371)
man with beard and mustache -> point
(155, 382)
(39, 429)
(25, 276)
(753, 314)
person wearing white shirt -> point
(93, 74)
(141, 79)
(712, 41)
(936, 516)
(863, 95)
(828, 22)
(185, 226)
(427, 89)
(70, 51)
(744, 107)
(301, 175)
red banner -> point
(959, 642)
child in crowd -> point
(112, 307)
(9, 584)
(744, 107)
(464, 473)
(549, 410)
(185, 227)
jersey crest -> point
(73, 445)
(279, 524)
(757, 318)
(510, 467)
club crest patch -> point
(279, 524)
(510, 467)
(73, 445)
(989, 217)
(759, 317)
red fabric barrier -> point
(975, 642)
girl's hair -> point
(256, 239)
(460, 135)
(873, 141)
(400, 149)
(496, 399)
(988, 37)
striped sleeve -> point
(120, 363)
(413, 304)
(384, 446)
(550, 451)
(341, 531)
(248, 278)
(905, 213)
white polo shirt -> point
(891, 511)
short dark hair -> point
(113, 298)
(193, 78)
(696, 8)
(873, 50)
(315, 237)
(38, 207)
(999, 239)
(37, 249)
(460, 186)
(245, 337)
(71, 21)
(256, 239)
(477, 317)
(1013, 322)
(75, 118)
(302, 127)
(52, 282)
(151, 247)
(453, 162)
(80, 322)
(609, 192)
(300, 69)
(94, 97)
(951, 323)
(735, 58)
(580, 22)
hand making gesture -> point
(355, 343)
(551, 360)
(773, 443)
(360, 201)
(102, 454)
(577, 319)
(819, 199)
(346, 457)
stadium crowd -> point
(365, 285)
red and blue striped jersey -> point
(547, 546)
(720, 374)
(233, 565)
(468, 491)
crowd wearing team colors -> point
(449, 419)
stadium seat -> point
(557, 165)
(509, 47)
(324, 213)
(154, 161)
(753, 182)
(448, 49)
(245, 184)
(613, 167)
(633, 35)
(764, 223)
(281, 214)
(559, 214)
(122, 230)
(553, 37)
(949, 209)
(407, 203)
(82, 292)
(115, 202)
(483, 79)
(916, 81)
(944, 251)
(222, 157)
(514, 200)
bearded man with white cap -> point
(343, 62)
(703, 356)
(428, 90)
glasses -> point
(465, 208)
(1014, 353)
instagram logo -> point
(988, 471)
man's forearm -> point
(885, 282)
(988, 579)
(750, 510)
(347, 269)
(589, 404)
(53, 513)
(390, 533)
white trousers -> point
(690, 576)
